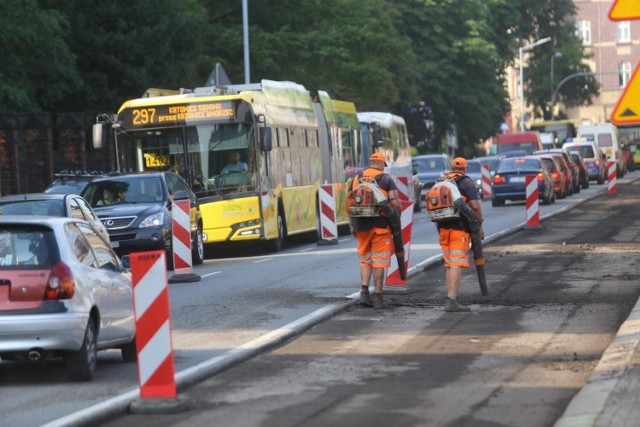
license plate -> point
(115, 244)
(517, 179)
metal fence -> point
(34, 146)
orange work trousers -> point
(455, 247)
(374, 247)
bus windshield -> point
(213, 158)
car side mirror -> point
(126, 262)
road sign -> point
(625, 10)
(627, 111)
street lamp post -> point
(555, 55)
(520, 50)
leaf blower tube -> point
(474, 224)
(393, 219)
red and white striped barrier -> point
(328, 220)
(181, 237)
(613, 175)
(153, 325)
(402, 182)
(486, 182)
(533, 209)
(406, 221)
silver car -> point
(54, 204)
(63, 293)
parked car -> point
(54, 204)
(67, 181)
(557, 176)
(509, 180)
(606, 136)
(583, 177)
(140, 217)
(428, 168)
(63, 293)
(574, 171)
(594, 159)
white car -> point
(54, 204)
(63, 293)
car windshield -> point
(519, 164)
(146, 189)
(429, 165)
(53, 207)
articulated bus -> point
(289, 143)
(387, 133)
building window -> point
(583, 30)
(623, 32)
(624, 73)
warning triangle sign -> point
(625, 10)
(627, 110)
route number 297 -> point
(143, 116)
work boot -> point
(453, 306)
(378, 301)
(365, 299)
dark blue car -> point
(509, 180)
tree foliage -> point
(386, 55)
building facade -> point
(615, 49)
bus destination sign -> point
(176, 114)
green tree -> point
(460, 67)
(38, 67)
(123, 48)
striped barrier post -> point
(402, 183)
(486, 182)
(532, 207)
(612, 174)
(153, 325)
(393, 280)
(328, 220)
(181, 242)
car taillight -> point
(60, 284)
(497, 179)
(598, 162)
(555, 175)
(540, 176)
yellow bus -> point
(287, 144)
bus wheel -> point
(276, 244)
(197, 253)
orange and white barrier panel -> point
(613, 175)
(181, 237)
(533, 209)
(486, 182)
(406, 221)
(153, 325)
(328, 220)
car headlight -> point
(153, 220)
(479, 182)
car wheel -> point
(546, 200)
(129, 352)
(81, 364)
(585, 185)
(197, 253)
(601, 180)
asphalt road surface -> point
(558, 294)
